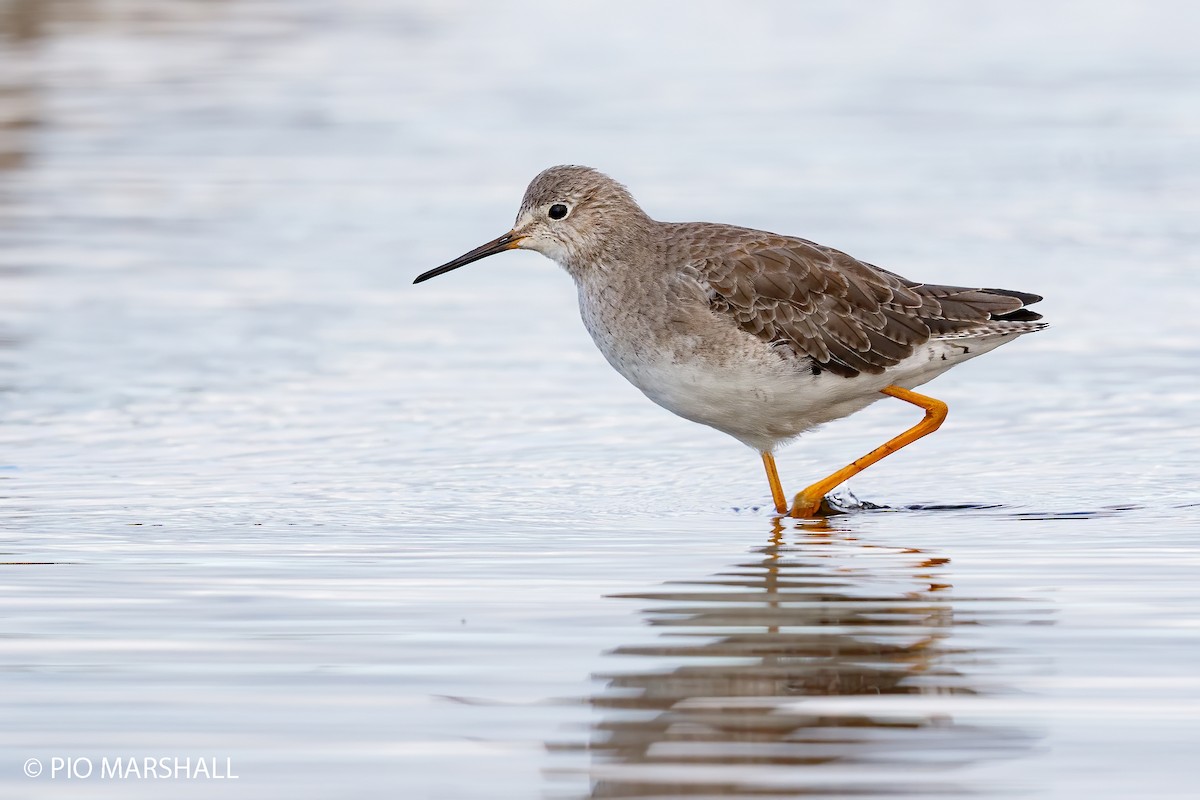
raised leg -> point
(773, 479)
(808, 502)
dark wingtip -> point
(1020, 315)
(1026, 298)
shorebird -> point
(758, 335)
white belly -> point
(765, 403)
(732, 381)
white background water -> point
(264, 500)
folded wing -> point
(846, 315)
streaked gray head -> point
(573, 215)
(569, 211)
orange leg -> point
(808, 502)
(773, 479)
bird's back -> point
(813, 302)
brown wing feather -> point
(846, 315)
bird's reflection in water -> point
(21, 24)
(720, 707)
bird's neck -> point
(623, 250)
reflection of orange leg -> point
(773, 479)
(808, 502)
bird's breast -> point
(685, 358)
(637, 323)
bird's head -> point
(570, 214)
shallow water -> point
(265, 501)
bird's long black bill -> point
(506, 242)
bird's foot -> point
(812, 506)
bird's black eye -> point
(557, 211)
